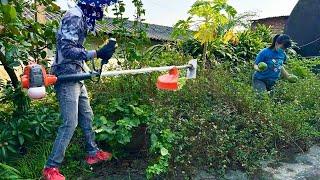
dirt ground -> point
(131, 168)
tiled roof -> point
(155, 32)
(274, 17)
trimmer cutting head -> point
(169, 81)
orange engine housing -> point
(35, 70)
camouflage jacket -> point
(70, 53)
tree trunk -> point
(204, 55)
(10, 71)
(20, 101)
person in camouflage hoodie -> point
(72, 96)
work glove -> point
(105, 53)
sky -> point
(168, 12)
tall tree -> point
(205, 18)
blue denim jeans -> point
(74, 108)
(261, 85)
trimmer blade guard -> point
(169, 81)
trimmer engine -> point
(35, 79)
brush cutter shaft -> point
(144, 70)
(35, 78)
(77, 77)
(82, 76)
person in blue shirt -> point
(273, 59)
(72, 96)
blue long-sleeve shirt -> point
(274, 60)
(70, 53)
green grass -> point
(31, 165)
(8, 172)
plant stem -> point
(204, 55)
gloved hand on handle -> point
(105, 53)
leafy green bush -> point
(220, 123)
(251, 42)
(304, 68)
(20, 129)
(161, 147)
(121, 106)
(7, 144)
(242, 53)
(118, 120)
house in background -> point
(156, 33)
(277, 24)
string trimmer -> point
(35, 78)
